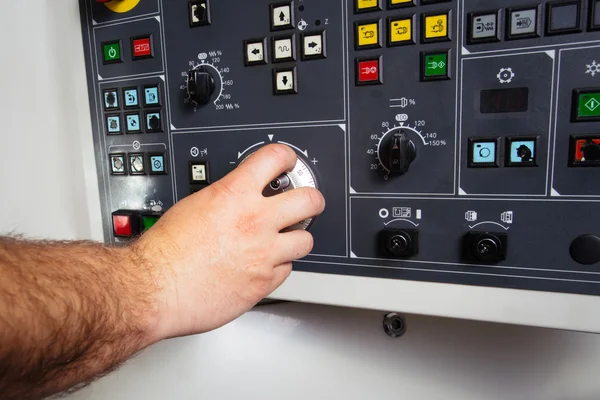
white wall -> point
(290, 351)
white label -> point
(255, 52)
(285, 81)
(199, 173)
(313, 45)
(282, 16)
(283, 49)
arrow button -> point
(285, 81)
(313, 46)
(282, 16)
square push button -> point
(521, 152)
(142, 47)
(255, 52)
(285, 81)
(123, 224)
(586, 105)
(149, 220)
(563, 17)
(199, 13)
(153, 122)
(113, 124)
(151, 96)
(436, 27)
(111, 99)
(111, 52)
(584, 151)
(117, 164)
(594, 15)
(133, 123)
(483, 152)
(361, 6)
(483, 27)
(400, 3)
(284, 49)
(157, 164)
(400, 31)
(522, 23)
(282, 16)
(199, 173)
(131, 97)
(435, 66)
(367, 35)
(369, 71)
(137, 165)
(314, 46)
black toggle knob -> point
(397, 153)
(201, 85)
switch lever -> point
(402, 154)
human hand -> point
(217, 253)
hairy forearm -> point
(69, 312)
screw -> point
(394, 325)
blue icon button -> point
(522, 152)
(151, 96)
(111, 99)
(157, 164)
(483, 152)
(131, 98)
(133, 123)
(113, 124)
(153, 122)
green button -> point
(112, 52)
(436, 65)
(589, 105)
(149, 221)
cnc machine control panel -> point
(454, 141)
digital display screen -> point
(496, 101)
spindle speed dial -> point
(396, 151)
(200, 85)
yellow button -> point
(394, 2)
(367, 34)
(401, 30)
(436, 26)
(366, 4)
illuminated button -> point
(113, 124)
(122, 225)
(523, 23)
(157, 164)
(584, 151)
(149, 220)
(314, 45)
(435, 27)
(483, 28)
(133, 124)
(153, 122)
(563, 17)
(199, 172)
(137, 164)
(111, 52)
(254, 52)
(367, 35)
(118, 165)
(199, 13)
(130, 97)
(435, 66)
(285, 81)
(282, 15)
(400, 3)
(368, 71)
(142, 47)
(400, 31)
(586, 105)
(111, 99)
(366, 5)
(284, 49)
(521, 152)
(151, 96)
(483, 152)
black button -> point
(485, 247)
(586, 249)
(399, 243)
(199, 13)
(594, 15)
(563, 17)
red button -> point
(142, 48)
(122, 225)
(369, 71)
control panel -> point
(455, 141)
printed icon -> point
(505, 75)
(438, 27)
(199, 173)
(484, 152)
(482, 26)
(111, 100)
(133, 123)
(151, 95)
(384, 213)
(153, 121)
(471, 216)
(368, 34)
(302, 25)
(593, 68)
(400, 30)
(113, 124)
(157, 164)
(194, 152)
(522, 151)
(436, 65)
(131, 98)
(592, 104)
(202, 56)
(402, 212)
(522, 22)
(112, 53)
(507, 217)
(419, 214)
(401, 117)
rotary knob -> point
(396, 152)
(200, 85)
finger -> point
(282, 272)
(291, 246)
(257, 171)
(295, 206)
